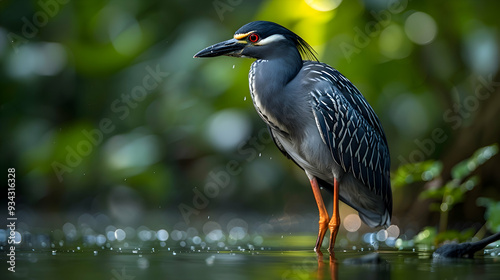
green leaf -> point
(416, 172)
(426, 236)
(463, 236)
(492, 214)
(435, 207)
(432, 193)
(466, 167)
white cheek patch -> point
(271, 39)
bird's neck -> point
(268, 80)
(272, 75)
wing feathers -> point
(351, 129)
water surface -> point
(262, 263)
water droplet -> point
(245, 98)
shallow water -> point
(262, 263)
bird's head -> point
(260, 40)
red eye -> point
(253, 37)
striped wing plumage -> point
(351, 129)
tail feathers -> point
(373, 209)
(374, 219)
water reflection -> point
(233, 246)
(271, 263)
(332, 264)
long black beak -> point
(230, 47)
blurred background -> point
(116, 132)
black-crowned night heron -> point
(318, 119)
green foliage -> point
(450, 193)
(416, 172)
(429, 236)
(466, 167)
(492, 214)
(454, 235)
(426, 237)
(454, 190)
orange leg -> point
(323, 214)
(334, 223)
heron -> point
(319, 120)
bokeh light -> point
(393, 43)
(409, 114)
(421, 28)
(120, 234)
(43, 58)
(382, 235)
(481, 50)
(352, 222)
(237, 229)
(162, 235)
(393, 231)
(132, 152)
(323, 5)
(227, 129)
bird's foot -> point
(330, 251)
(318, 251)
